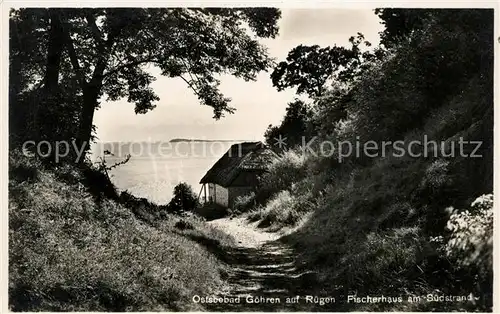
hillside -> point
(413, 220)
(71, 251)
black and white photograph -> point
(249, 157)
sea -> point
(155, 168)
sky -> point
(179, 115)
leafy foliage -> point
(244, 202)
(294, 128)
(327, 76)
(183, 200)
(471, 239)
(290, 168)
(84, 56)
(400, 24)
(310, 68)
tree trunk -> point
(51, 80)
(92, 90)
(54, 51)
(86, 118)
(91, 94)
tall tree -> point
(400, 24)
(293, 128)
(325, 75)
(27, 62)
(311, 68)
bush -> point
(288, 169)
(184, 199)
(183, 225)
(211, 211)
(22, 168)
(243, 203)
(142, 208)
(282, 210)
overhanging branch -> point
(190, 86)
(95, 30)
(73, 57)
(130, 64)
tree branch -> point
(95, 30)
(130, 64)
(73, 57)
(190, 86)
(103, 47)
(191, 74)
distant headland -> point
(175, 140)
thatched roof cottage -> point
(236, 172)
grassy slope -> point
(69, 253)
(369, 231)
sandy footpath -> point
(247, 235)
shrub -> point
(243, 203)
(22, 168)
(184, 199)
(471, 234)
(282, 210)
(256, 214)
(210, 211)
(142, 208)
(183, 225)
(285, 171)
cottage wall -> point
(218, 194)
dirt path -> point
(248, 235)
(262, 271)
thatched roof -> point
(240, 165)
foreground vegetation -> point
(394, 225)
(69, 251)
(75, 244)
